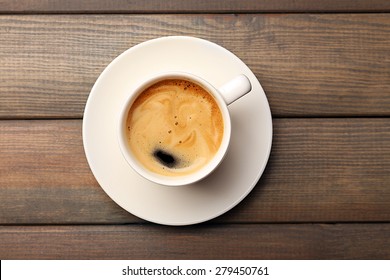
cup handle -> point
(236, 88)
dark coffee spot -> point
(165, 158)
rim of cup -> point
(179, 180)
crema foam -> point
(174, 127)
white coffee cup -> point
(225, 95)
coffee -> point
(174, 127)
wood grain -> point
(308, 64)
(320, 170)
(317, 241)
(193, 6)
(45, 178)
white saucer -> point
(219, 192)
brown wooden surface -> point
(191, 6)
(309, 65)
(325, 193)
(277, 241)
(320, 170)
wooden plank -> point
(276, 241)
(190, 6)
(309, 65)
(325, 170)
(320, 170)
(45, 178)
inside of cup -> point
(171, 115)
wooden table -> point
(325, 67)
